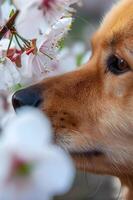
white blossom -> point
(32, 167)
(38, 65)
(57, 32)
(45, 59)
(43, 13)
(4, 43)
(9, 75)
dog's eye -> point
(117, 65)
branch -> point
(8, 25)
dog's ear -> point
(118, 24)
(120, 18)
(116, 30)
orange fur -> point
(92, 111)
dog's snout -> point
(27, 97)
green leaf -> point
(79, 59)
(11, 13)
(61, 44)
(16, 87)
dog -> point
(91, 109)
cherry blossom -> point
(4, 43)
(30, 51)
(44, 13)
(33, 60)
(9, 74)
(30, 170)
(38, 63)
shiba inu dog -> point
(91, 109)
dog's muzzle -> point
(27, 97)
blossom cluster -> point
(32, 34)
(32, 166)
(31, 49)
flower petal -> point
(56, 173)
(57, 32)
(25, 26)
(9, 74)
(28, 124)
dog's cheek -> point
(115, 86)
(115, 128)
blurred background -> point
(87, 19)
(87, 186)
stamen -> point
(11, 39)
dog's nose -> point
(27, 97)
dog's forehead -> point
(118, 24)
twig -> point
(8, 25)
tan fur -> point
(93, 110)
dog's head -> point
(91, 109)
